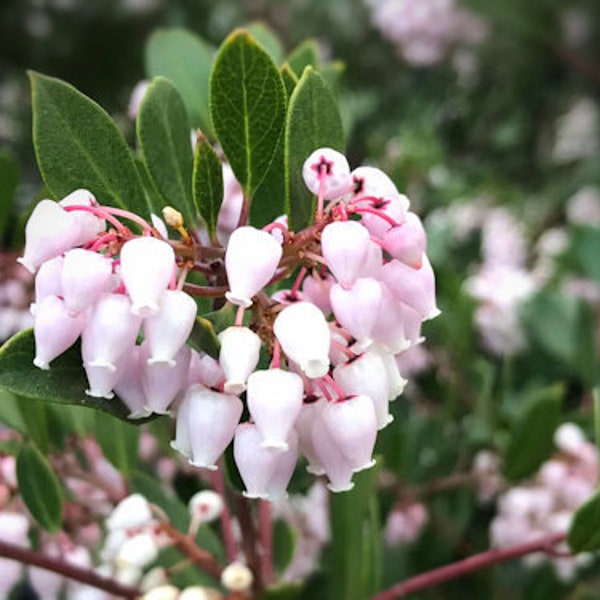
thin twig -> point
(468, 565)
(265, 529)
(49, 563)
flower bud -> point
(205, 506)
(212, 419)
(54, 330)
(163, 592)
(333, 167)
(304, 335)
(274, 400)
(132, 512)
(239, 354)
(407, 242)
(236, 577)
(251, 259)
(196, 592)
(84, 277)
(345, 245)
(231, 207)
(138, 551)
(147, 266)
(50, 231)
(167, 331)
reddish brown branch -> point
(43, 561)
(468, 565)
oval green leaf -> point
(247, 103)
(208, 184)
(40, 488)
(186, 60)
(584, 533)
(77, 145)
(313, 121)
(163, 132)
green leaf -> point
(354, 534)
(205, 330)
(290, 79)
(265, 36)
(10, 412)
(208, 184)
(285, 538)
(164, 134)
(9, 179)
(313, 121)
(584, 533)
(586, 245)
(186, 60)
(283, 591)
(64, 383)
(304, 55)
(531, 434)
(247, 103)
(77, 145)
(39, 487)
(119, 441)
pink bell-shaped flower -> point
(407, 242)
(345, 245)
(251, 258)
(147, 265)
(161, 381)
(352, 424)
(315, 289)
(389, 330)
(239, 354)
(205, 369)
(274, 400)
(415, 287)
(309, 414)
(335, 463)
(50, 231)
(231, 207)
(54, 330)
(264, 471)
(129, 383)
(110, 331)
(47, 279)
(333, 166)
(182, 442)
(84, 277)
(396, 383)
(90, 225)
(212, 419)
(356, 308)
(167, 330)
(304, 335)
(367, 375)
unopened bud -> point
(133, 511)
(173, 218)
(236, 577)
(200, 593)
(164, 592)
(205, 506)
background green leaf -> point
(208, 184)
(584, 533)
(186, 60)
(247, 103)
(304, 55)
(39, 487)
(313, 121)
(9, 179)
(78, 145)
(119, 441)
(164, 135)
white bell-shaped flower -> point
(84, 277)
(389, 331)
(264, 471)
(212, 419)
(182, 442)
(304, 335)
(333, 167)
(167, 330)
(129, 383)
(356, 308)
(345, 245)
(231, 207)
(415, 287)
(315, 289)
(132, 512)
(139, 551)
(407, 242)
(372, 182)
(161, 381)
(50, 231)
(352, 424)
(274, 400)
(335, 463)
(396, 383)
(54, 330)
(205, 369)
(47, 279)
(309, 415)
(147, 265)
(251, 258)
(238, 357)
(110, 331)
(367, 375)
(90, 225)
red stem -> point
(265, 528)
(37, 559)
(468, 565)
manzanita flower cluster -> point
(353, 289)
